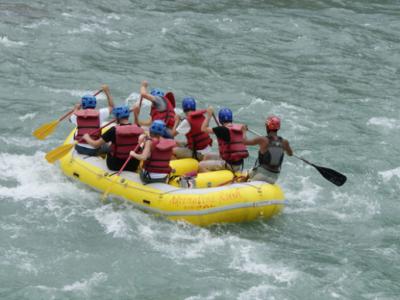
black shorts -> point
(115, 163)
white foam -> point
(37, 24)
(384, 122)
(9, 43)
(253, 102)
(307, 193)
(85, 286)
(75, 93)
(113, 17)
(260, 292)
(213, 295)
(14, 231)
(114, 44)
(113, 222)
(34, 177)
(348, 207)
(179, 21)
(23, 142)
(244, 261)
(91, 28)
(20, 259)
(29, 116)
(193, 242)
(389, 174)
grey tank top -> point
(273, 158)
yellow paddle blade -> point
(108, 190)
(46, 129)
(58, 153)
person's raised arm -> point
(137, 121)
(144, 93)
(177, 121)
(287, 148)
(72, 117)
(110, 101)
(254, 141)
(206, 122)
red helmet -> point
(273, 123)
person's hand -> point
(245, 127)
(145, 84)
(105, 88)
(77, 106)
(133, 154)
(86, 136)
(135, 107)
(210, 111)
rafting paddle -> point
(59, 152)
(45, 130)
(333, 176)
(215, 119)
(136, 113)
(107, 191)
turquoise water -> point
(329, 68)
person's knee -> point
(211, 165)
(180, 152)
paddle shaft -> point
(215, 119)
(127, 160)
(107, 191)
(72, 110)
(329, 174)
(136, 115)
(96, 130)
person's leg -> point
(104, 149)
(86, 151)
(211, 156)
(211, 165)
(182, 152)
(146, 178)
(261, 174)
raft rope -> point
(78, 162)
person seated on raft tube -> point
(162, 107)
(157, 153)
(271, 151)
(124, 138)
(198, 142)
(231, 145)
(87, 119)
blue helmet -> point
(157, 92)
(121, 112)
(88, 101)
(157, 127)
(188, 104)
(225, 115)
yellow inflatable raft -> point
(206, 199)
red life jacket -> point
(161, 153)
(126, 140)
(167, 116)
(87, 120)
(197, 139)
(235, 150)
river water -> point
(328, 68)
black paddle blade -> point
(331, 175)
